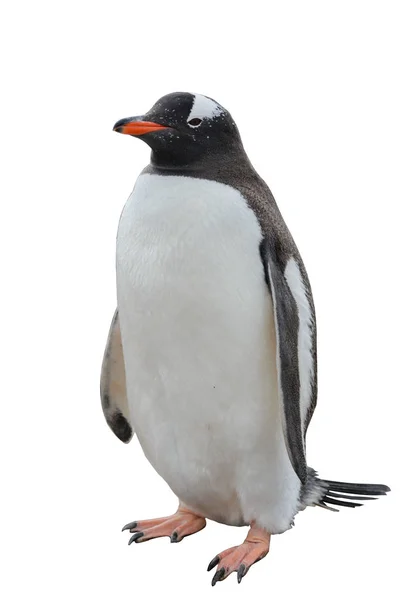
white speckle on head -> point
(304, 346)
(204, 108)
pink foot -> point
(240, 558)
(184, 522)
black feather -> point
(336, 502)
(350, 497)
(323, 505)
(335, 492)
(373, 489)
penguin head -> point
(184, 130)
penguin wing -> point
(295, 345)
(113, 385)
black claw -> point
(241, 572)
(132, 525)
(174, 537)
(218, 576)
(213, 563)
(135, 537)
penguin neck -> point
(207, 166)
(233, 169)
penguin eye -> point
(195, 122)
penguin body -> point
(199, 338)
(212, 357)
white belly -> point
(199, 345)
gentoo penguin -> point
(211, 357)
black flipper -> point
(113, 385)
(297, 402)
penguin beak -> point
(136, 126)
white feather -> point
(199, 344)
(304, 347)
(203, 108)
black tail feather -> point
(350, 496)
(323, 505)
(336, 502)
(357, 488)
(340, 493)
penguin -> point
(211, 357)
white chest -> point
(188, 262)
(198, 337)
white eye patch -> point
(203, 108)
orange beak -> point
(137, 127)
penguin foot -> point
(240, 558)
(183, 523)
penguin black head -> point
(185, 130)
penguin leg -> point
(240, 558)
(183, 523)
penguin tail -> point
(332, 494)
(351, 495)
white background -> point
(314, 89)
